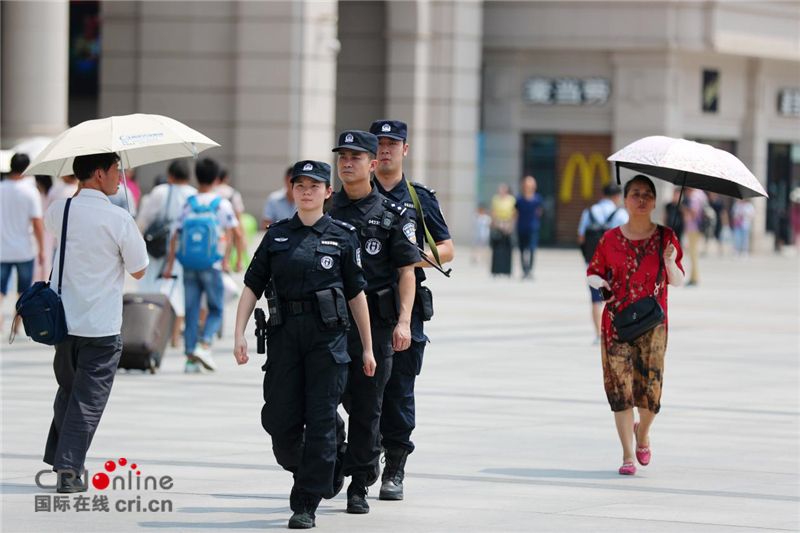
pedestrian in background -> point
(20, 211)
(481, 235)
(693, 215)
(311, 260)
(167, 201)
(207, 280)
(743, 213)
(223, 188)
(528, 214)
(502, 227)
(280, 204)
(131, 202)
(636, 260)
(102, 242)
(605, 215)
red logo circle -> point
(122, 462)
(100, 481)
(111, 466)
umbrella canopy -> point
(138, 139)
(690, 164)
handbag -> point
(645, 314)
(156, 236)
(40, 306)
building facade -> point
(491, 90)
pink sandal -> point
(627, 469)
(642, 452)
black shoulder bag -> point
(40, 306)
(642, 315)
(156, 236)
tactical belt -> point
(297, 308)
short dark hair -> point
(612, 189)
(206, 171)
(179, 169)
(84, 165)
(19, 162)
(44, 181)
(223, 173)
(640, 178)
(288, 173)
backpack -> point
(593, 233)
(201, 237)
(156, 236)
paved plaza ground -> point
(514, 432)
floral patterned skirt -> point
(634, 372)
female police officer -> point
(315, 265)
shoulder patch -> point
(394, 206)
(424, 187)
(344, 225)
(278, 223)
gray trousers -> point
(85, 369)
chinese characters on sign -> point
(789, 102)
(50, 504)
(567, 91)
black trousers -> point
(363, 401)
(305, 375)
(85, 368)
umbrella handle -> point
(125, 183)
(680, 201)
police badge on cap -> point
(316, 170)
(394, 129)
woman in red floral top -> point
(626, 263)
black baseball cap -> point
(357, 140)
(394, 129)
(316, 170)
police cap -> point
(316, 170)
(360, 141)
(394, 129)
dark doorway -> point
(84, 61)
(539, 161)
(783, 175)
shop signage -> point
(586, 169)
(567, 91)
(789, 102)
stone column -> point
(453, 110)
(753, 149)
(35, 55)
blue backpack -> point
(201, 236)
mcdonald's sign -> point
(586, 170)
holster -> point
(332, 309)
(384, 306)
(424, 302)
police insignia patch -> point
(326, 262)
(307, 167)
(410, 231)
(358, 256)
(386, 127)
(373, 246)
(281, 239)
(348, 138)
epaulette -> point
(418, 185)
(394, 206)
(278, 223)
(344, 225)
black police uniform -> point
(306, 368)
(398, 418)
(387, 243)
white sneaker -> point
(192, 368)
(203, 356)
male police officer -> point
(389, 253)
(398, 418)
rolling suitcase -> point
(501, 254)
(147, 321)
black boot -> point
(393, 474)
(70, 485)
(357, 497)
(303, 506)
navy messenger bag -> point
(40, 306)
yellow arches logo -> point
(577, 162)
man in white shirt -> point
(223, 188)
(167, 200)
(207, 281)
(102, 242)
(280, 204)
(20, 208)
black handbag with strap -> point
(642, 315)
(156, 236)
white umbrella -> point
(689, 164)
(138, 139)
